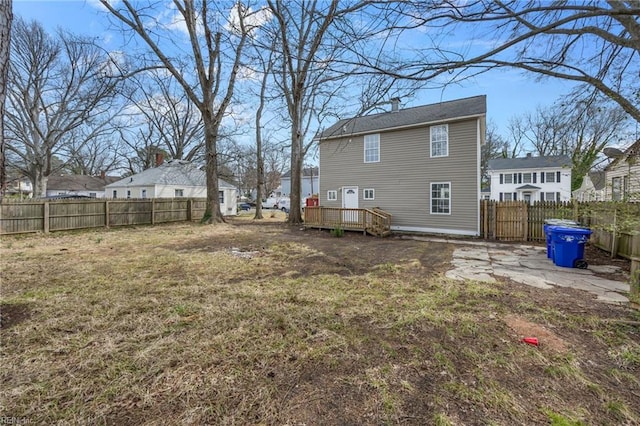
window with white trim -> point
(507, 196)
(440, 140)
(369, 194)
(128, 193)
(441, 198)
(508, 178)
(372, 148)
(549, 196)
(221, 197)
(115, 193)
(550, 177)
(526, 178)
(143, 193)
(178, 193)
(332, 195)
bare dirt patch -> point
(173, 324)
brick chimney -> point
(159, 159)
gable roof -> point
(598, 179)
(173, 172)
(78, 182)
(306, 172)
(632, 151)
(421, 115)
(553, 161)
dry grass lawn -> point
(265, 324)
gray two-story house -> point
(420, 164)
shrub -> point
(337, 232)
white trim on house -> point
(373, 138)
(450, 198)
(435, 230)
(479, 170)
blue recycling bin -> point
(568, 246)
(547, 231)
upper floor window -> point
(179, 193)
(440, 140)
(508, 178)
(526, 178)
(372, 148)
(550, 177)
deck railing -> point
(374, 221)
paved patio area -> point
(484, 261)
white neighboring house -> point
(173, 179)
(81, 185)
(531, 178)
(622, 176)
(592, 188)
(309, 183)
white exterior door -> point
(350, 201)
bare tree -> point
(493, 147)
(578, 126)
(210, 46)
(173, 120)
(6, 19)
(316, 45)
(56, 85)
(589, 41)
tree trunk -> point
(295, 216)
(212, 212)
(6, 17)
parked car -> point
(284, 204)
(270, 203)
(244, 207)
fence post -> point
(189, 211)
(45, 218)
(153, 211)
(614, 233)
(106, 214)
(525, 221)
(634, 273)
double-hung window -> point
(550, 177)
(332, 195)
(372, 148)
(221, 197)
(441, 198)
(440, 140)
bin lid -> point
(570, 230)
(561, 222)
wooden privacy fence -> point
(615, 226)
(18, 217)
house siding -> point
(622, 169)
(403, 176)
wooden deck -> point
(370, 221)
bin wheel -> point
(580, 264)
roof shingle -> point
(438, 112)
